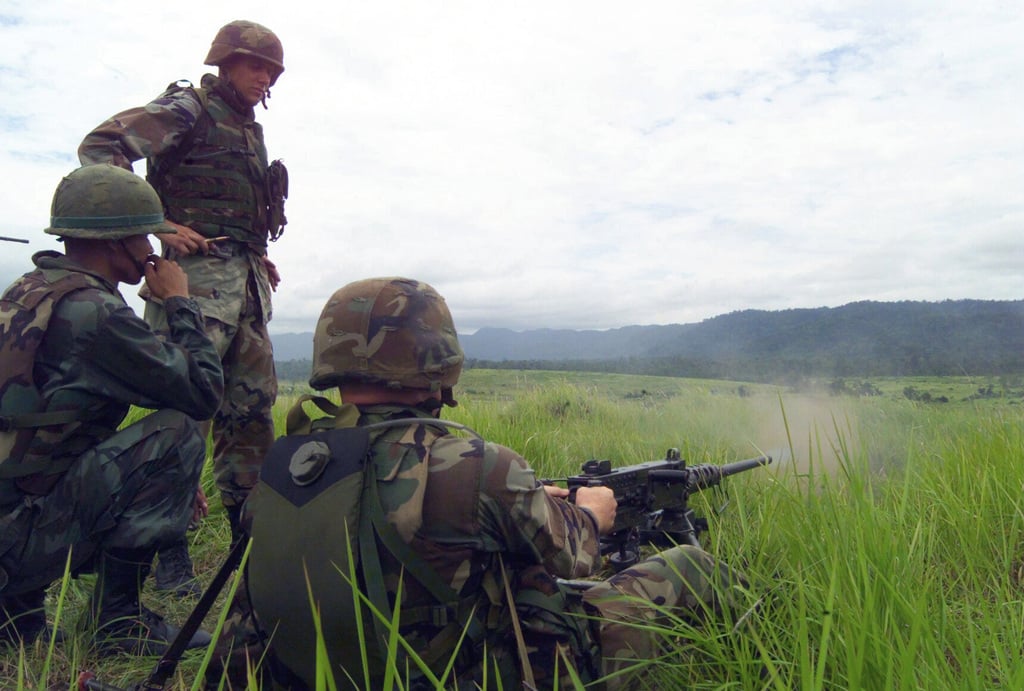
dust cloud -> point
(798, 429)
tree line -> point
(862, 339)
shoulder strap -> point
(374, 526)
(517, 629)
(157, 168)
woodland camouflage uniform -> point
(87, 486)
(208, 161)
(472, 510)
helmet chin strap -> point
(139, 265)
(227, 81)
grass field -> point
(885, 542)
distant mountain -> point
(861, 338)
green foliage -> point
(886, 542)
(294, 370)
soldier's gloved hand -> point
(600, 501)
(165, 278)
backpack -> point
(27, 432)
(314, 569)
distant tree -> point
(294, 370)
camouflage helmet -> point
(392, 331)
(105, 202)
(242, 37)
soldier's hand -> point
(200, 506)
(186, 241)
(556, 491)
(165, 278)
(272, 273)
(601, 502)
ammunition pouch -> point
(555, 621)
(277, 192)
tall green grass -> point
(886, 543)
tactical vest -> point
(319, 529)
(215, 180)
(27, 434)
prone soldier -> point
(452, 535)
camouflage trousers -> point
(609, 627)
(683, 580)
(243, 426)
(132, 491)
(603, 631)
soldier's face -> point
(137, 249)
(251, 78)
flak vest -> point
(215, 181)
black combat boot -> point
(123, 625)
(174, 570)
(22, 618)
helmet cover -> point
(105, 202)
(392, 331)
(242, 37)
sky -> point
(579, 165)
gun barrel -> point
(704, 476)
(7, 239)
(748, 464)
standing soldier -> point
(76, 487)
(207, 160)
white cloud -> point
(582, 165)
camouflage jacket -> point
(218, 281)
(462, 503)
(98, 356)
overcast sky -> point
(579, 164)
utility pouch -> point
(555, 623)
(277, 192)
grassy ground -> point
(886, 540)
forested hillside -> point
(954, 337)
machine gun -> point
(653, 501)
